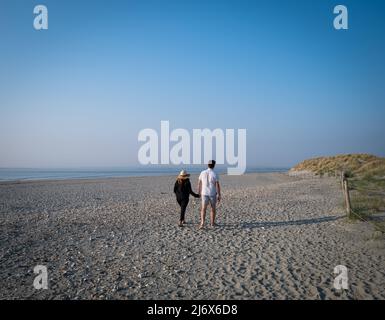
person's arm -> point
(175, 186)
(199, 186)
(218, 191)
(191, 191)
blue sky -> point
(78, 93)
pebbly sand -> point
(279, 237)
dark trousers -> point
(183, 205)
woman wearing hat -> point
(182, 190)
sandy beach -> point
(279, 237)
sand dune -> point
(279, 237)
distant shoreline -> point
(28, 175)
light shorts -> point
(209, 199)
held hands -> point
(219, 198)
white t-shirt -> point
(209, 181)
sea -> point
(21, 174)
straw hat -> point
(183, 175)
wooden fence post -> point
(347, 197)
(342, 178)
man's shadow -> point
(272, 224)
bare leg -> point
(203, 215)
(212, 216)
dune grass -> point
(366, 176)
(367, 195)
(355, 164)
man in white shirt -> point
(210, 192)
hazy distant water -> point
(9, 174)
